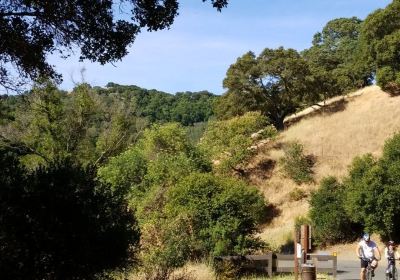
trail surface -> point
(350, 270)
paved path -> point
(350, 270)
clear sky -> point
(196, 51)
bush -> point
(222, 213)
(229, 141)
(125, 172)
(296, 165)
(57, 223)
(297, 194)
(328, 216)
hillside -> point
(357, 124)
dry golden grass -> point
(364, 120)
(197, 271)
(362, 127)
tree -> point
(87, 128)
(31, 30)
(380, 37)
(329, 218)
(373, 190)
(59, 223)
(37, 132)
(334, 58)
(276, 83)
(143, 174)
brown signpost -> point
(305, 242)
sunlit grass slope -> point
(358, 124)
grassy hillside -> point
(357, 124)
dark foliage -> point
(380, 41)
(329, 218)
(8, 104)
(373, 190)
(57, 224)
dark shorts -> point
(364, 264)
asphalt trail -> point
(350, 270)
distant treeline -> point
(186, 108)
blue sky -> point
(196, 51)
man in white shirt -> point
(367, 251)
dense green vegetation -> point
(380, 39)
(229, 142)
(185, 211)
(327, 213)
(367, 198)
(335, 59)
(89, 125)
(274, 83)
(187, 108)
(58, 222)
(281, 81)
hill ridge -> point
(334, 134)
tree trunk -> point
(277, 121)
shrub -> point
(296, 165)
(125, 172)
(297, 194)
(229, 141)
(222, 213)
(57, 223)
(328, 216)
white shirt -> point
(367, 249)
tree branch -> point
(20, 14)
(21, 147)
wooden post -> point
(270, 263)
(334, 267)
(305, 241)
(296, 263)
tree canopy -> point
(89, 125)
(101, 29)
(275, 83)
(381, 45)
(335, 58)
